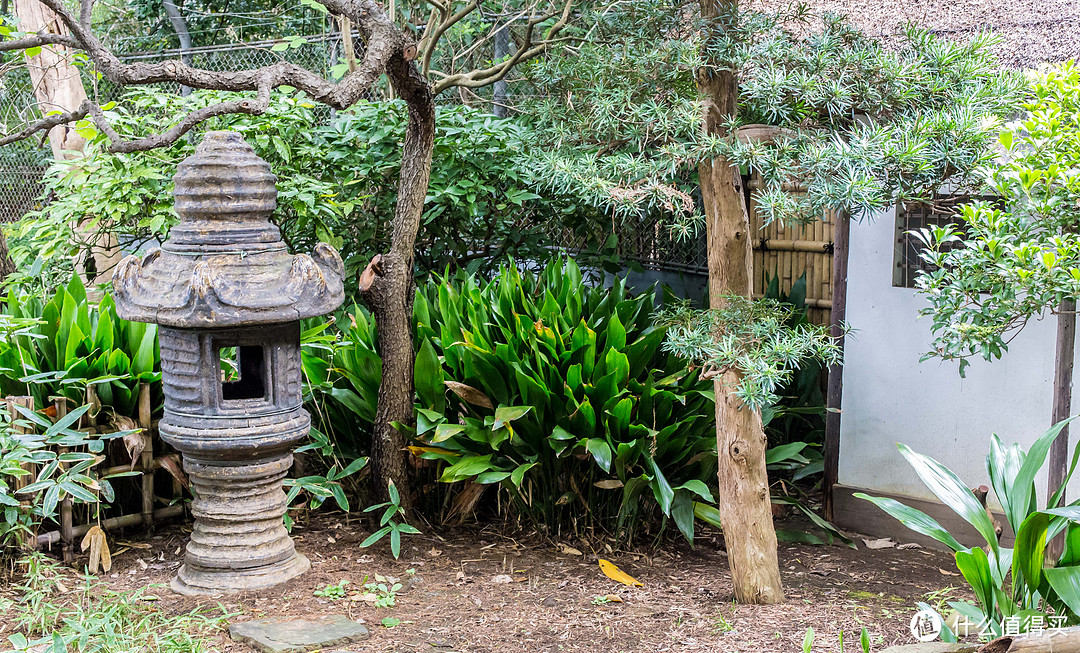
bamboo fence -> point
(789, 251)
(145, 463)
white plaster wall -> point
(890, 397)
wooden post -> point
(1063, 378)
(19, 482)
(831, 449)
(146, 458)
(67, 534)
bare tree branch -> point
(38, 40)
(86, 12)
(446, 23)
(485, 76)
(385, 42)
(48, 122)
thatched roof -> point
(1033, 31)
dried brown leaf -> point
(470, 394)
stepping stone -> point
(283, 635)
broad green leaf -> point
(1028, 551)
(952, 492)
(600, 451)
(915, 519)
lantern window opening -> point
(243, 372)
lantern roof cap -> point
(225, 264)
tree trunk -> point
(183, 35)
(7, 266)
(744, 505)
(387, 284)
(57, 85)
(1063, 381)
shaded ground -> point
(462, 599)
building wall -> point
(890, 397)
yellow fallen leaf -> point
(614, 598)
(616, 574)
(99, 549)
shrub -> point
(64, 345)
(30, 449)
(1008, 583)
(553, 390)
(337, 183)
(560, 393)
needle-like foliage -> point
(754, 338)
(859, 126)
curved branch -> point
(485, 76)
(385, 43)
(38, 40)
(48, 122)
(119, 144)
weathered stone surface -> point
(229, 296)
(284, 635)
(225, 263)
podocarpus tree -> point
(387, 284)
(1017, 257)
(661, 103)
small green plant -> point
(390, 622)
(388, 524)
(864, 640)
(808, 640)
(384, 591)
(58, 613)
(601, 599)
(332, 592)
(32, 442)
(321, 487)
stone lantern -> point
(224, 289)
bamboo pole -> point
(67, 536)
(146, 458)
(134, 519)
(19, 482)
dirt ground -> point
(478, 591)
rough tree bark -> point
(57, 85)
(387, 285)
(743, 501)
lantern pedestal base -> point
(192, 581)
(239, 542)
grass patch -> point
(52, 615)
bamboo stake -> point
(19, 482)
(67, 536)
(146, 458)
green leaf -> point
(1066, 584)
(661, 490)
(428, 377)
(682, 511)
(952, 492)
(505, 414)
(444, 432)
(915, 519)
(975, 567)
(601, 452)
(1028, 551)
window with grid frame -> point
(912, 216)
